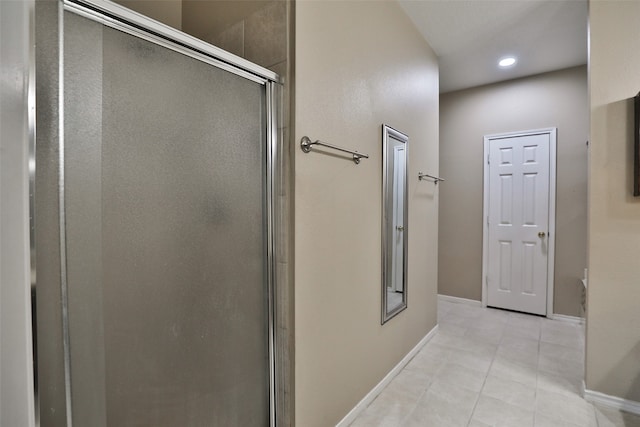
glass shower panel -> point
(165, 210)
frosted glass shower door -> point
(164, 162)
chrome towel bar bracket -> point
(436, 179)
(306, 143)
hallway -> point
(488, 367)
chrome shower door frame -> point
(54, 367)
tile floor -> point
(487, 367)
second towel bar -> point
(436, 179)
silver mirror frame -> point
(389, 136)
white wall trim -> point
(565, 318)
(371, 396)
(551, 235)
(612, 401)
(459, 300)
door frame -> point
(551, 234)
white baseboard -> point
(371, 396)
(459, 300)
(565, 318)
(612, 401)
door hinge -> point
(488, 160)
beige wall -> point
(557, 99)
(358, 65)
(166, 11)
(207, 18)
(613, 313)
(259, 36)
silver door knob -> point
(400, 228)
(541, 234)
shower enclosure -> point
(153, 231)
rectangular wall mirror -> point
(394, 222)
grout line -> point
(595, 414)
(495, 353)
(535, 390)
(416, 405)
(424, 392)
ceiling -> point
(470, 36)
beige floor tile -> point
(434, 349)
(452, 329)
(493, 316)
(554, 325)
(388, 409)
(562, 352)
(479, 346)
(374, 419)
(554, 365)
(608, 417)
(491, 321)
(490, 335)
(559, 384)
(449, 341)
(447, 406)
(452, 318)
(465, 343)
(517, 356)
(570, 409)
(476, 423)
(521, 343)
(525, 320)
(429, 359)
(541, 420)
(444, 305)
(452, 392)
(568, 337)
(522, 331)
(462, 376)
(464, 310)
(514, 372)
(511, 392)
(476, 361)
(410, 384)
(499, 413)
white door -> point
(518, 222)
(399, 159)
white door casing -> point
(519, 229)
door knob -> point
(400, 228)
(541, 234)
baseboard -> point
(612, 401)
(371, 396)
(565, 318)
(459, 300)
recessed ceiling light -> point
(507, 62)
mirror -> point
(394, 222)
